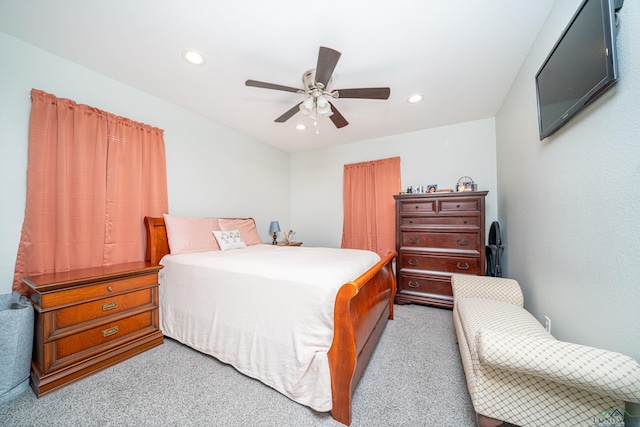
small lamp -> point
(274, 228)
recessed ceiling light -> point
(193, 57)
(415, 98)
(301, 127)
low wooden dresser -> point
(89, 319)
(437, 235)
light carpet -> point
(414, 378)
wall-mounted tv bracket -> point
(617, 5)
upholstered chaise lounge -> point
(517, 372)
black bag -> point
(494, 251)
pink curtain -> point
(91, 179)
(369, 206)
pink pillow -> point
(247, 228)
(187, 234)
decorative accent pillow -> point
(247, 228)
(187, 234)
(229, 239)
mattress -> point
(266, 310)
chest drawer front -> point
(451, 264)
(78, 314)
(67, 350)
(460, 205)
(99, 290)
(440, 221)
(418, 206)
(454, 241)
(425, 284)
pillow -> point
(187, 234)
(231, 239)
(247, 228)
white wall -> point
(435, 156)
(568, 206)
(212, 170)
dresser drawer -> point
(438, 285)
(461, 205)
(72, 348)
(445, 263)
(459, 241)
(68, 319)
(440, 221)
(99, 290)
(418, 206)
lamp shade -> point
(314, 106)
(275, 227)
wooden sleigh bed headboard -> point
(157, 242)
(362, 308)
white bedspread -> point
(266, 310)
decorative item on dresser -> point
(89, 319)
(437, 235)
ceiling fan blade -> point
(286, 116)
(264, 85)
(327, 61)
(337, 118)
(365, 93)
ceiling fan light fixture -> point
(316, 106)
(323, 105)
(308, 105)
(301, 126)
(194, 57)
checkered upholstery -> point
(517, 372)
(467, 286)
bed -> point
(250, 301)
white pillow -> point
(229, 239)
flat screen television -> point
(581, 66)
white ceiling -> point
(462, 55)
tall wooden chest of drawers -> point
(437, 235)
(87, 320)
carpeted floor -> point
(414, 378)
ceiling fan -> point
(317, 94)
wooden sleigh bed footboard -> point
(361, 311)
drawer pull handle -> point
(460, 267)
(417, 207)
(110, 289)
(410, 222)
(412, 261)
(414, 240)
(109, 332)
(464, 242)
(465, 221)
(411, 285)
(109, 306)
(457, 206)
